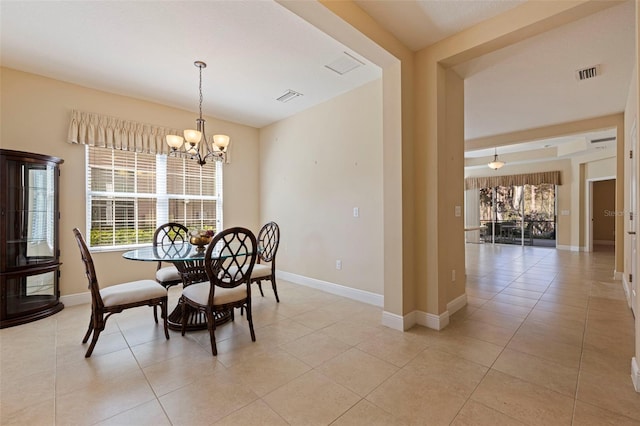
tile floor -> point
(546, 339)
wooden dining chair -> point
(165, 236)
(229, 261)
(265, 268)
(114, 299)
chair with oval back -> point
(229, 261)
(265, 268)
(167, 235)
(114, 299)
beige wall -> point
(604, 208)
(316, 167)
(35, 117)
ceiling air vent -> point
(344, 64)
(288, 95)
(587, 73)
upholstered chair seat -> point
(199, 293)
(168, 274)
(131, 292)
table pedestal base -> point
(196, 320)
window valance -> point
(552, 178)
(111, 132)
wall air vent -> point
(344, 64)
(288, 95)
(609, 139)
(587, 73)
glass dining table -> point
(189, 260)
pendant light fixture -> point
(191, 143)
(495, 164)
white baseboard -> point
(340, 290)
(456, 304)
(569, 248)
(436, 322)
(76, 299)
(397, 322)
(635, 374)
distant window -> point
(130, 194)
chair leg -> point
(155, 313)
(163, 313)
(250, 319)
(96, 334)
(260, 287)
(86, 336)
(211, 326)
(275, 288)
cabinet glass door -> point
(31, 223)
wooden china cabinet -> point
(29, 254)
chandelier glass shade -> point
(495, 164)
(194, 143)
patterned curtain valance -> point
(552, 178)
(110, 132)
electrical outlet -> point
(356, 212)
(453, 275)
(338, 264)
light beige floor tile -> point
(611, 343)
(315, 319)
(511, 299)
(351, 333)
(526, 402)
(578, 311)
(103, 400)
(561, 353)
(496, 318)
(393, 347)
(476, 414)
(445, 371)
(365, 413)
(208, 400)
(590, 415)
(21, 392)
(580, 301)
(149, 413)
(489, 333)
(316, 348)
(257, 413)
(538, 371)
(602, 363)
(610, 393)
(268, 371)
(479, 351)
(357, 371)
(551, 331)
(563, 319)
(520, 292)
(507, 309)
(36, 414)
(93, 370)
(161, 350)
(415, 400)
(311, 399)
(174, 373)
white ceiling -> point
(256, 50)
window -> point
(130, 194)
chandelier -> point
(495, 164)
(191, 145)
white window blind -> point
(130, 194)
